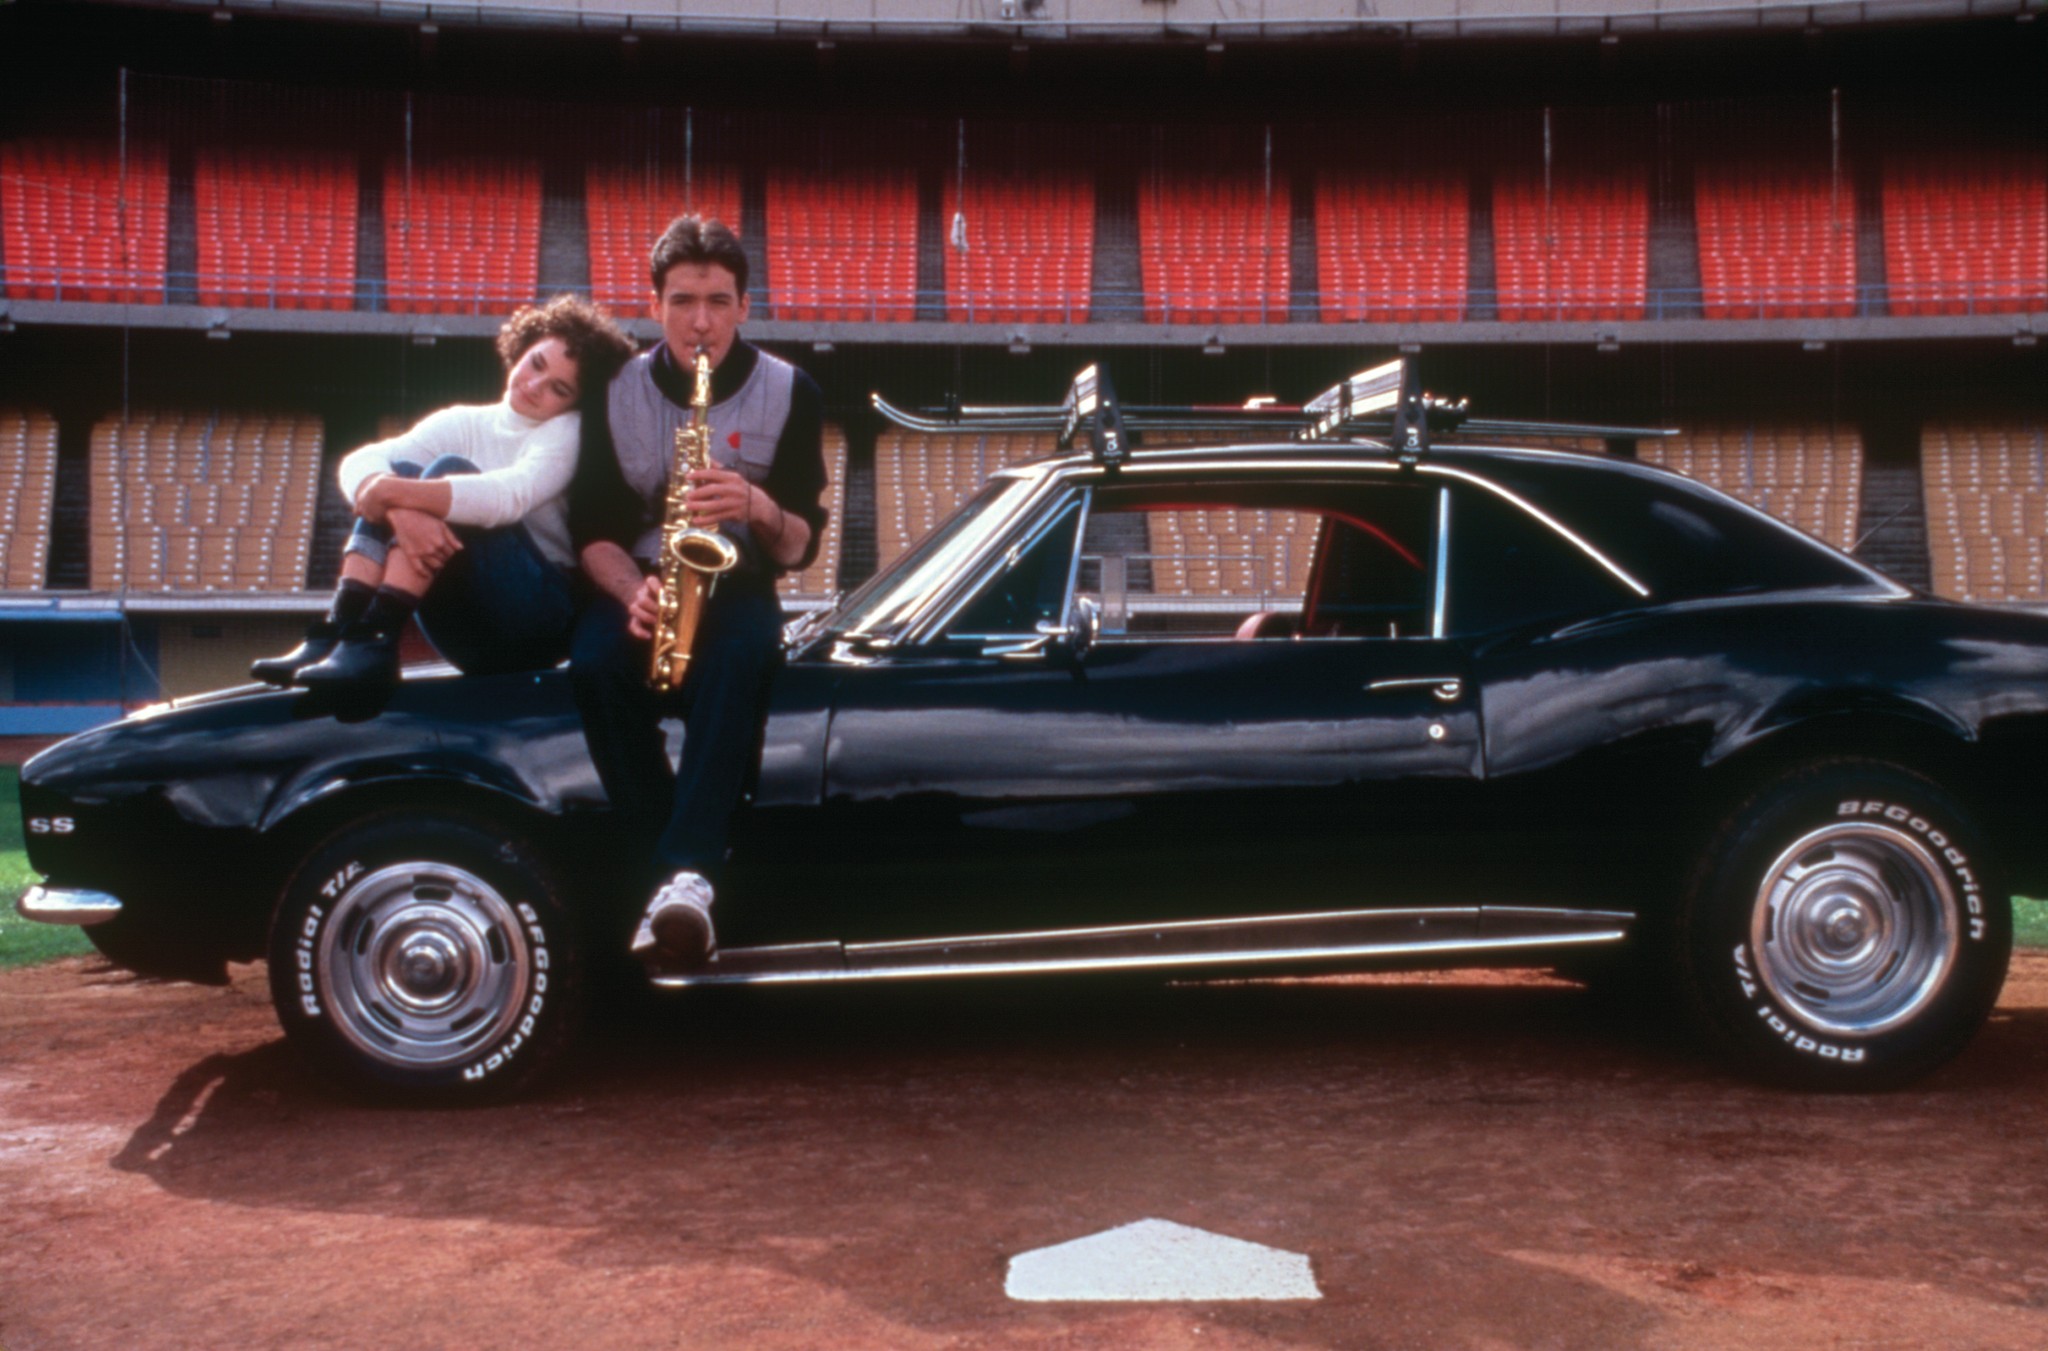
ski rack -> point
(1384, 406)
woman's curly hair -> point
(592, 338)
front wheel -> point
(427, 954)
(1846, 929)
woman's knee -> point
(448, 466)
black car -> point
(1485, 705)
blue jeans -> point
(498, 604)
(686, 814)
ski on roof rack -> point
(1385, 405)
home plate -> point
(1159, 1260)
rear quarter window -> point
(1679, 539)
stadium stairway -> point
(70, 566)
(564, 231)
(1482, 270)
(1893, 519)
(931, 244)
(1872, 280)
(1118, 283)
(370, 270)
(181, 244)
(1673, 263)
(1304, 292)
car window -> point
(900, 588)
(1029, 588)
(1508, 569)
(1259, 560)
(1680, 539)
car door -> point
(1187, 763)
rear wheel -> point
(1845, 929)
(427, 954)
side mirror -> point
(1068, 642)
(1074, 639)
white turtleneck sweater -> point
(525, 468)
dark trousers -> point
(498, 604)
(723, 702)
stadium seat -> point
(1023, 249)
(461, 236)
(28, 480)
(1966, 231)
(1986, 487)
(1575, 247)
(276, 229)
(197, 502)
(1213, 249)
(1392, 248)
(83, 223)
(1776, 241)
(626, 209)
(842, 244)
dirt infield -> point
(1484, 1163)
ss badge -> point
(50, 825)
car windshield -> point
(892, 594)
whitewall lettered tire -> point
(427, 954)
(1846, 928)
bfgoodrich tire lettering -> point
(429, 955)
(1845, 929)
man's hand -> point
(423, 536)
(644, 609)
(719, 495)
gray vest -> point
(744, 431)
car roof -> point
(1549, 466)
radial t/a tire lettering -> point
(1846, 929)
(428, 956)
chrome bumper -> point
(67, 905)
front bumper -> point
(67, 905)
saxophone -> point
(691, 557)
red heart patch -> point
(733, 440)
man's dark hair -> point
(594, 342)
(693, 239)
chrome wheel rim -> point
(423, 964)
(1855, 928)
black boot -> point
(364, 659)
(321, 636)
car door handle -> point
(1445, 688)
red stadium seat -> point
(1392, 249)
(842, 245)
(1574, 248)
(80, 224)
(1029, 248)
(1966, 232)
(1213, 249)
(461, 236)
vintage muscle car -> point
(1488, 705)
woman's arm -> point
(380, 493)
(539, 472)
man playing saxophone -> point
(762, 491)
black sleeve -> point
(796, 480)
(601, 505)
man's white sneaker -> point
(675, 929)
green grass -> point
(2029, 923)
(22, 942)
